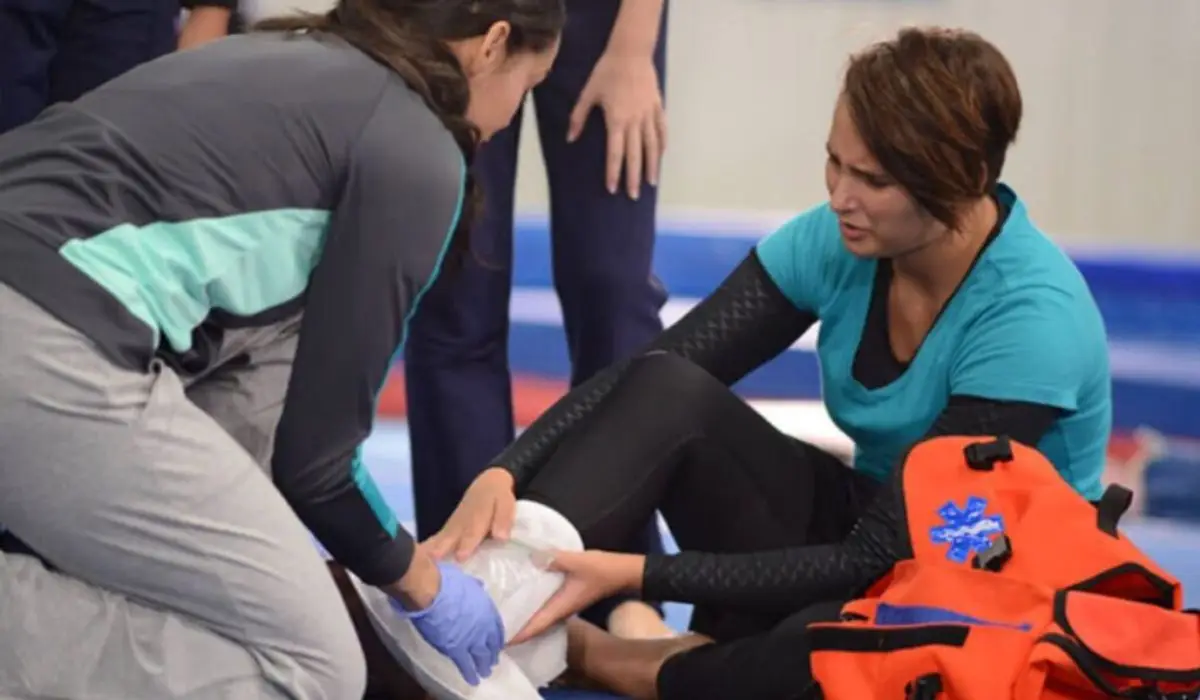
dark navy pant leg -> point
(603, 243)
(460, 413)
(101, 39)
(56, 50)
(29, 31)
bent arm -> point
(792, 578)
(383, 248)
(739, 327)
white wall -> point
(1108, 154)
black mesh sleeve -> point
(970, 415)
(744, 323)
(793, 578)
(788, 579)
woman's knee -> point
(671, 373)
(672, 382)
(322, 654)
(343, 674)
(152, 651)
(326, 648)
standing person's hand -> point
(204, 24)
(486, 510)
(590, 576)
(453, 612)
(624, 85)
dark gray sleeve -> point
(386, 239)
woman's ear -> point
(489, 51)
(984, 178)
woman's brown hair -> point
(409, 37)
(938, 108)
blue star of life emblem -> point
(967, 530)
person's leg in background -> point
(459, 389)
(603, 244)
(102, 39)
(56, 50)
(29, 32)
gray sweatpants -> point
(182, 572)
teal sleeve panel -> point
(387, 238)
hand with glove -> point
(453, 612)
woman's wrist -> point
(632, 573)
(635, 32)
(419, 586)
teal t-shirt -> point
(1022, 327)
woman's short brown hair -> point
(938, 108)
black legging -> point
(671, 437)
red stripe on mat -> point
(531, 396)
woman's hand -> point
(453, 612)
(624, 85)
(487, 509)
(590, 576)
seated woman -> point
(943, 310)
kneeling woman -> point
(943, 310)
(206, 267)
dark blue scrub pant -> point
(56, 50)
(456, 357)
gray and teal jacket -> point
(232, 186)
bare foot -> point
(624, 666)
(634, 619)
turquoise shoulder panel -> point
(172, 275)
